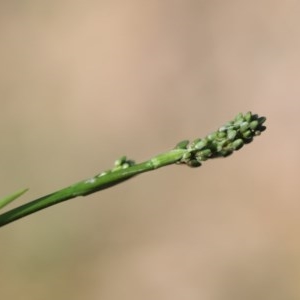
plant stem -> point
(85, 187)
(228, 138)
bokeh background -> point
(85, 82)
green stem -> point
(89, 186)
(228, 138)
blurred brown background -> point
(84, 82)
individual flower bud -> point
(224, 152)
(262, 128)
(221, 144)
(248, 116)
(261, 120)
(237, 144)
(191, 146)
(219, 147)
(231, 134)
(182, 144)
(203, 155)
(244, 126)
(247, 134)
(120, 161)
(254, 124)
(237, 124)
(200, 144)
(221, 134)
(212, 136)
(239, 117)
(224, 128)
(186, 156)
(125, 165)
(193, 163)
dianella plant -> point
(223, 142)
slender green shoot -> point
(221, 143)
(8, 199)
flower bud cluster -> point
(223, 142)
(121, 163)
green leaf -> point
(6, 200)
